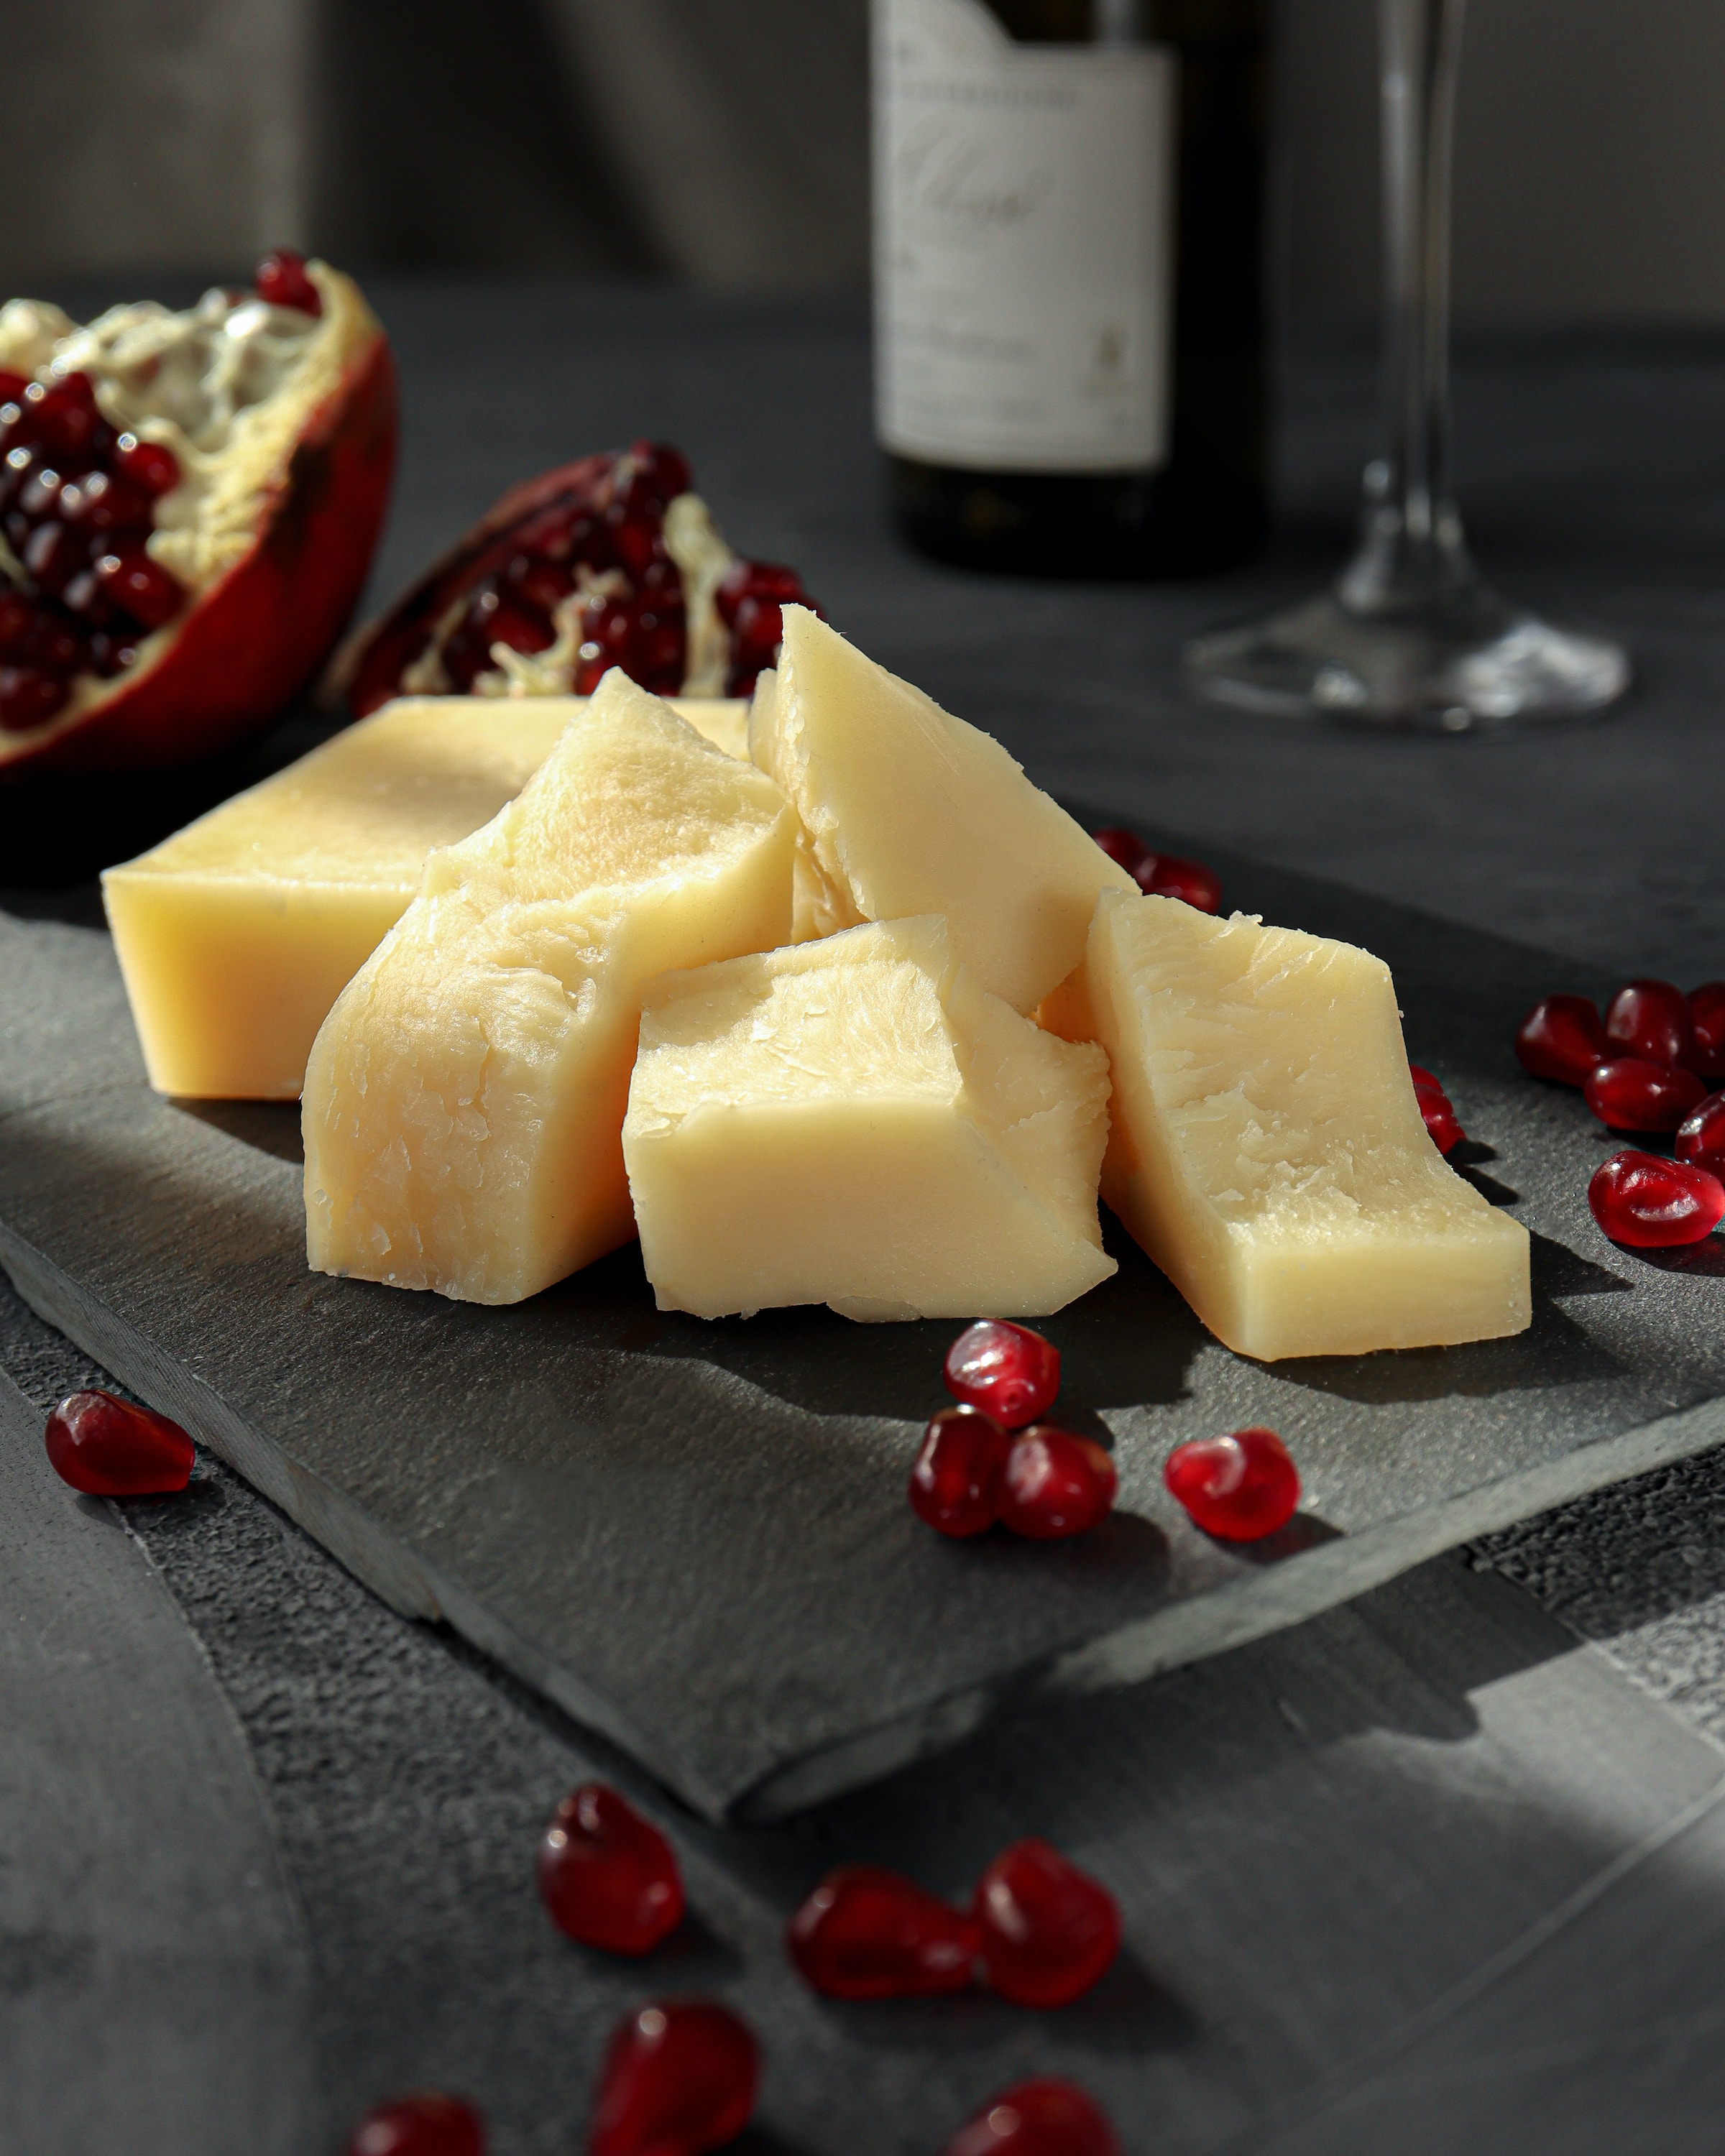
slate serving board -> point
(694, 1537)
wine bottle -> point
(1070, 317)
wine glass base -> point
(1446, 666)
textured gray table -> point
(1429, 1873)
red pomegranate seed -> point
(12, 385)
(62, 416)
(1044, 2118)
(660, 471)
(1124, 847)
(1650, 1019)
(1240, 1488)
(281, 280)
(1056, 1484)
(865, 1932)
(141, 587)
(147, 464)
(17, 617)
(609, 1878)
(638, 537)
(955, 1484)
(755, 580)
(1706, 1021)
(29, 697)
(758, 632)
(1167, 876)
(1650, 1205)
(1005, 1369)
(1049, 1930)
(109, 1447)
(1629, 1094)
(679, 2079)
(97, 501)
(1701, 1136)
(1562, 1038)
(427, 2124)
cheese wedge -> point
(857, 1122)
(236, 935)
(1267, 1150)
(465, 1098)
(908, 810)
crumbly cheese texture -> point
(464, 1099)
(859, 1122)
(1267, 1149)
(235, 936)
(907, 810)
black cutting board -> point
(694, 1537)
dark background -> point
(724, 143)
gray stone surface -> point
(1423, 1848)
(587, 1488)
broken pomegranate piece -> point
(188, 506)
(612, 560)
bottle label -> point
(1023, 245)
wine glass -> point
(1410, 635)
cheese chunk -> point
(908, 810)
(857, 1122)
(1267, 1150)
(464, 1099)
(236, 935)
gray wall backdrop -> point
(725, 142)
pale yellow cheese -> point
(236, 935)
(908, 810)
(857, 1122)
(465, 1098)
(1267, 1149)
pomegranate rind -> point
(367, 671)
(284, 556)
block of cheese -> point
(1267, 1150)
(858, 1121)
(464, 1099)
(236, 935)
(908, 810)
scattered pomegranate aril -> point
(427, 2124)
(679, 2079)
(608, 1877)
(281, 280)
(1168, 875)
(1700, 1137)
(1707, 1022)
(1044, 2117)
(1562, 1038)
(1239, 1487)
(1124, 847)
(1056, 1484)
(1650, 1019)
(1005, 1369)
(108, 1447)
(866, 1932)
(955, 1484)
(1649, 1203)
(1049, 1930)
(1631, 1094)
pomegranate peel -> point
(268, 531)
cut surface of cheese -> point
(857, 1122)
(237, 934)
(464, 1099)
(907, 810)
(1267, 1150)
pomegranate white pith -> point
(276, 426)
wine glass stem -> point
(1413, 544)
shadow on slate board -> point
(693, 1536)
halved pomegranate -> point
(188, 506)
(612, 560)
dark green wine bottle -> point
(1070, 316)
